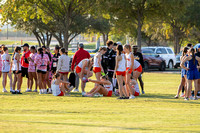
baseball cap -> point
(134, 46)
(25, 45)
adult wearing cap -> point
(78, 57)
(25, 63)
(138, 56)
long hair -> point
(193, 56)
(185, 50)
(40, 50)
(15, 51)
(56, 75)
(127, 46)
(119, 49)
(102, 48)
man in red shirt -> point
(25, 63)
(78, 57)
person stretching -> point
(105, 90)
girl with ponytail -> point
(41, 61)
(120, 72)
(192, 73)
(183, 72)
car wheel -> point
(162, 66)
(170, 64)
(146, 66)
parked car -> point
(166, 53)
(196, 46)
(178, 60)
(152, 60)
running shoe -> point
(176, 97)
(120, 98)
(13, 92)
(4, 90)
(126, 98)
(18, 92)
(131, 97)
(143, 92)
(75, 90)
(195, 98)
(35, 90)
(83, 94)
(186, 99)
(28, 90)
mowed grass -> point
(156, 111)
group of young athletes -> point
(190, 61)
(50, 72)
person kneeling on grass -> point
(59, 87)
(105, 90)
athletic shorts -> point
(96, 69)
(136, 94)
(183, 72)
(192, 74)
(24, 72)
(109, 94)
(43, 72)
(61, 94)
(64, 73)
(139, 69)
(17, 72)
(131, 70)
(78, 69)
(121, 73)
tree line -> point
(150, 21)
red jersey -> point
(24, 57)
(79, 56)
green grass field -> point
(156, 111)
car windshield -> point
(149, 49)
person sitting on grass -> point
(59, 87)
(105, 90)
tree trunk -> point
(139, 35)
(104, 39)
(66, 40)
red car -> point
(152, 60)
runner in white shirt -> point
(6, 69)
(120, 72)
(129, 70)
(97, 67)
(16, 67)
(105, 90)
(83, 71)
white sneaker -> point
(131, 97)
(4, 90)
(75, 90)
(83, 93)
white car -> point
(166, 53)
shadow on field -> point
(80, 124)
(168, 98)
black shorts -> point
(43, 72)
(24, 72)
(17, 72)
